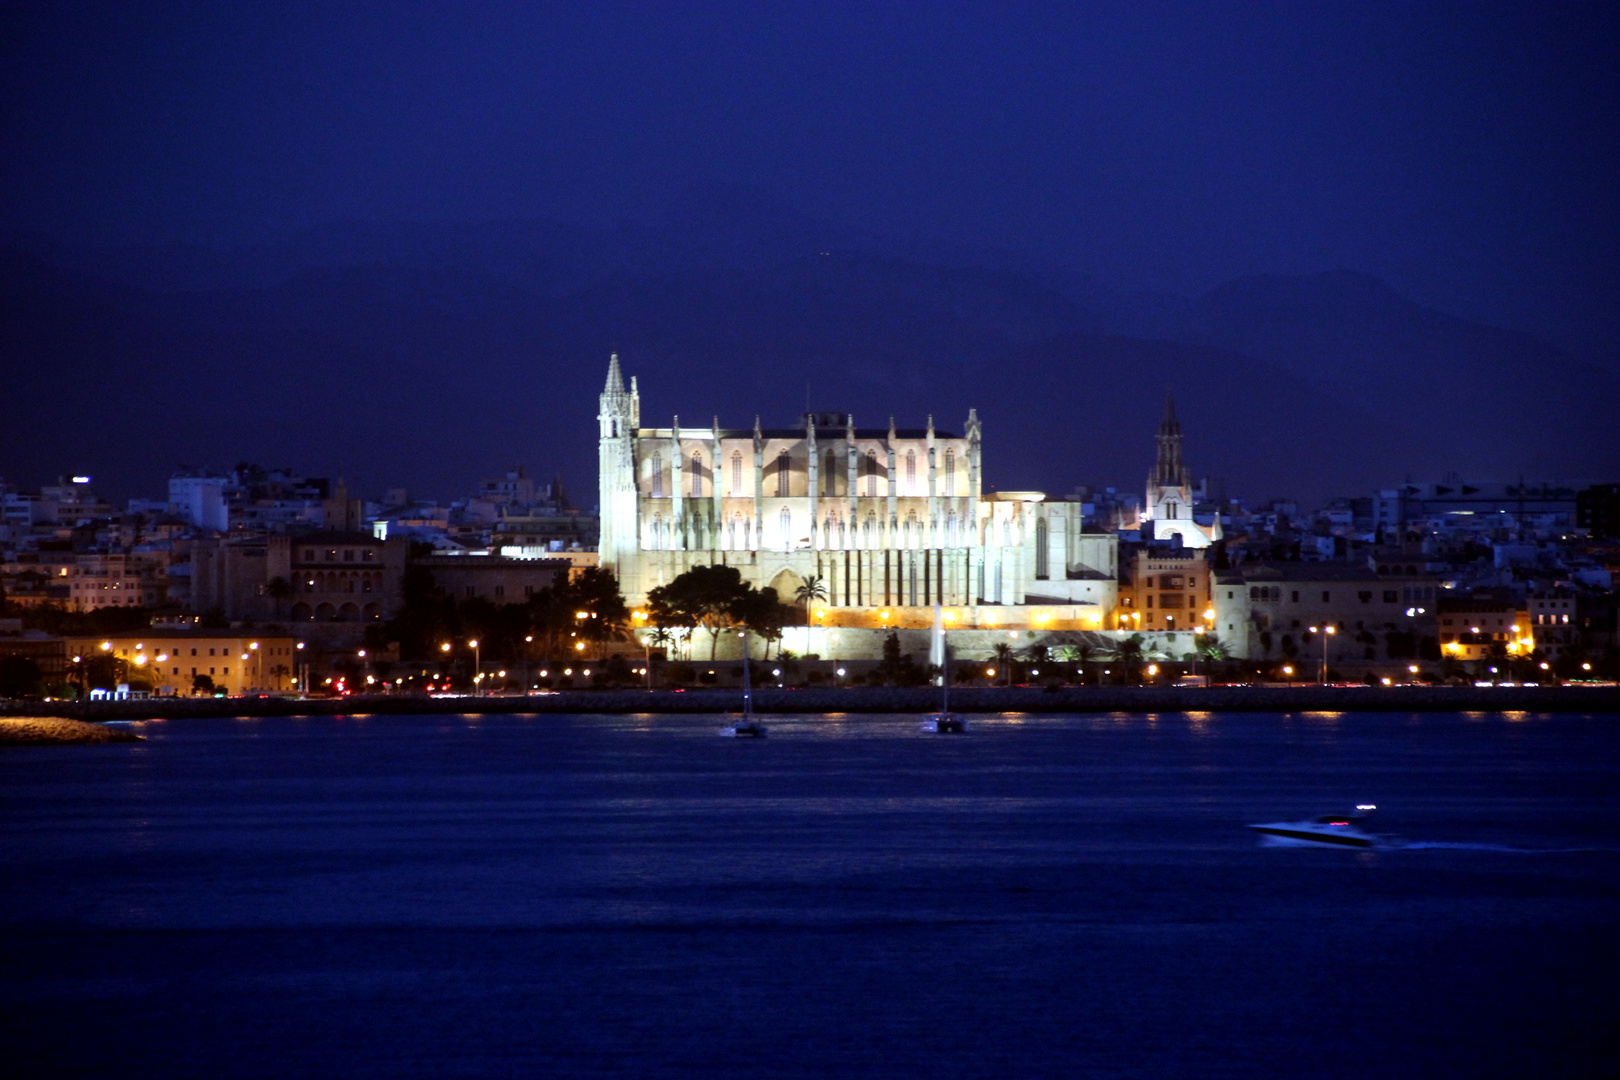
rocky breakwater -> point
(56, 731)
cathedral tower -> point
(618, 414)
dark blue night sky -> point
(1094, 202)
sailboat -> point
(943, 722)
(747, 727)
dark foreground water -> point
(442, 896)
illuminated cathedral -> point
(891, 520)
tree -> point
(896, 667)
(426, 618)
(278, 589)
(202, 683)
(595, 591)
(713, 597)
(659, 637)
(1131, 653)
(1004, 660)
(19, 676)
(763, 614)
(814, 588)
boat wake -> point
(1507, 849)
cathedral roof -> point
(823, 434)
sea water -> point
(633, 896)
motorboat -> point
(1332, 830)
(747, 727)
(943, 722)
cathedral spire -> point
(615, 380)
(1169, 469)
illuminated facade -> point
(1167, 514)
(890, 520)
(171, 661)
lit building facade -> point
(890, 520)
(1167, 513)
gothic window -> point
(829, 479)
(911, 472)
(736, 472)
(871, 473)
(913, 530)
(697, 476)
(782, 465)
(785, 522)
(1042, 561)
(869, 539)
(950, 471)
(658, 476)
(950, 527)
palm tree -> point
(1131, 652)
(1004, 656)
(814, 588)
(279, 672)
(278, 589)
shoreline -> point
(982, 700)
(36, 730)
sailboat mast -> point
(748, 688)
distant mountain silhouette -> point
(431, 355)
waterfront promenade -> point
(982, 700)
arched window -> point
(829, 479)
(736, 472)
(950, 471)
(1042, 560)
(653, 532)
(736, 527)
(950, 529)
(913, 530)
(869, 532)
(658, 476)
(911, 472)
(782, 466)
(871, 473)
(697, 476)
(785, 523)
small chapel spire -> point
(615, 380)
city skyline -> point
(1362, 245)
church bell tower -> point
(618, 415)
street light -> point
(478, 668)
(1327, 631)
(298, 663)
